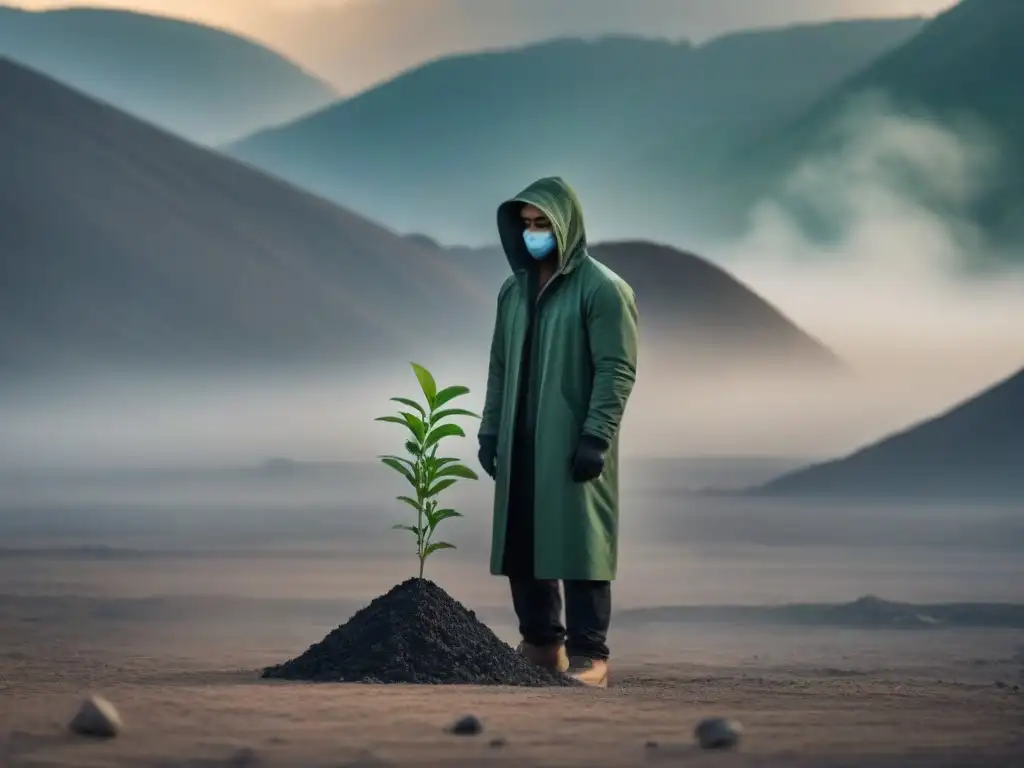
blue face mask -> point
(539, 244)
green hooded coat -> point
(580, 335)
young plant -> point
(428, 473)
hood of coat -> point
(562, 207)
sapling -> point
(428, 473)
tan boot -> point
(550, 657)
(591, 672)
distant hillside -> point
(434, 149)
(360, 44)
(975, 450)
(968, 63)
(201, 83)
(714, 320)
(126, 246)
(123, 245)
(868, 612)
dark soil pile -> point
(416, 633)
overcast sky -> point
(356, 43)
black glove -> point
(488, 454)
(588, 463)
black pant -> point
(588, 607)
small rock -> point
(246, 757)
(467, 726)
(498, 743)
(651, 745)
(718, 733)
(96, 717)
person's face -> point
(534, 219)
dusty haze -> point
(148, 553)
(909, 299)
(357, 43)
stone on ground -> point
(96, 717)
(718, 733)
(467, 726)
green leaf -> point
(410, 528)
(413, 448)
(446, 394)
(407, 420)
(456, 470)
(411, 502)
(447, 414)
(404, 462)
(427, 384)
(439, 515)
(441, 432)
(443, 461)
(416, 426)
(440, 487)
(411, 404)
(434, 546)
(396, 464)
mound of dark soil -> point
(416, 633)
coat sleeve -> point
(612, 328)
(490, 419)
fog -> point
(356, 44)
(917, 304)
(911, 300)
(325, 533)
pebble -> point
(467, 726)
(498, 743)
(718, 733)
(245, 757)
(98, 718)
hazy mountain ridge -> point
(961, 71)
(703, 311)
(974, 450)
(865, 612)
(168, 254)
(361, 44)
(429, 149)
(202, 83)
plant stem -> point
(421, 499)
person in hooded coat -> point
(562, 366)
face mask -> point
(539, 244)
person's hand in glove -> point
(588, 463)
(488, 454)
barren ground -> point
(184, 674)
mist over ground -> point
(152, 468)
(910, 297)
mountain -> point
(357, 45)
(207, 85)
(689, 304)
(975, 450)
(123, 245)
(126, 247)
(433, 150)
(965, 65)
